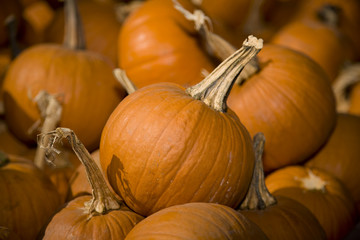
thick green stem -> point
(74, 35)
(258, 197)
(215, 88)
(103, 198)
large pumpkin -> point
(163, 146)
(157, 44)
(100, 216)
(82, 80)
(28, 198)
(323, 194)
(272, 213)
(196, 221)
(340, 155)
(290, 100)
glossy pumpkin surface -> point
(291, 101)
(196, 221)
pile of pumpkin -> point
(180, 119)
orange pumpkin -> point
(319, 38)
(290, 100)
(157, 43)
(340, 155)
(100, 25)
(323, 194)
(196, 221)
(163, 146)
(28, 198)
(87, 217)
(82, 80)
(272, 213)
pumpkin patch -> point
(179, 119)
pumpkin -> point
(318, 37)
(156, 43)
(196, 221)
(87, 217)
(28, 198)
(290, 100)
(100, 25)
(340, 155)
(322, 193)
(272, 213)
(349, 21)
(163, 146)
(82, 80)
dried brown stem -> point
(103, 198)
(258, 197)
(74, 36)
(215, 88)
(125, 82)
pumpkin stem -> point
(11, 24)
(74, 35)
(329, 14)
(4, 159)
(215, 88)
(125, 82)
(348, 77)
(216, 46)
(258, 196)
(124, 9)
(103, 199)
(50, 111)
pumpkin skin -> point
(73, 222)
(196, 221)
(156, 43)
(291, 101)
(100, 25)
(171, 139)
(331, 203)
(354, 107)
(300, 222)
(82, 79)
(322, 43)
(340, 155)
(28, 198)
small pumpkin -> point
(82, 80)
(156, 43)
(87, 217)
(196, 221)
(28, 198)
(187, 146)
(322, 193)
(272, 213)
(340, 155)
(100, 25)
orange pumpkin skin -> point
(160, 147)
(83, 81)
(73, 222)
(291, 101)
(28, 198)
(340, 155)
(196, 221)
(156, 44)
(300, 222)
(100, 25)
(354, 107)
(332, 205)
(320, 42)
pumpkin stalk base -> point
(125, 82)
(258, 196)
(103, 198)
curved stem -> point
(50, 111)
(346, 78)
(215, 88)
(74, 35)
(103, 199)
(125, 82)
(258, 196)
(329, 14)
